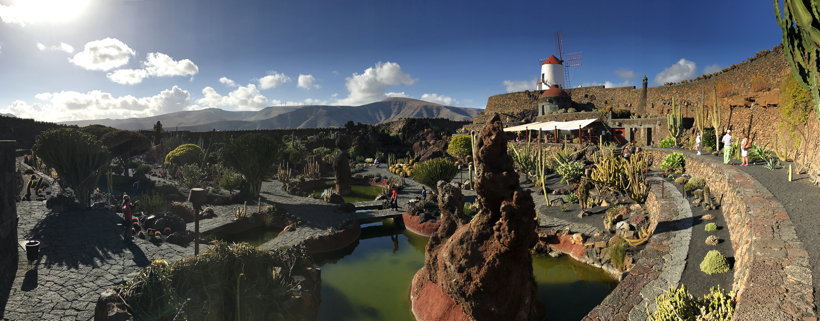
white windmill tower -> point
(555, 70)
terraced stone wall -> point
(772, 273)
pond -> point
(255, 236)
(373, 281)
(360, 192)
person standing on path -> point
(745, 144)
(727, 146)
(423, 193)
(394, 199)
(699, 142)
(127, 216)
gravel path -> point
(802, 201)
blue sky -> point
(84, 59)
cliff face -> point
(481, 268)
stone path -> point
(659, 265)
(82, 254)
(674, 261)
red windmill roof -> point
(552, 60)
(554, 91)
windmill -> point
(555, 70)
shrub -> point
(125, 143)
(192, 175)
(252, 155)
(674, 160)
(570, 171)
(680, 305)
(617, 252)
(154, 203)
(695, 183)
(470, 208)
(184, 155)
(681, 180)
(431, 171)
(142, 169)
(460, 146)
(710, 227)
(714, 262)
(667, 142)
(78, 158)
(572, 198)
(230, 180)
(711, 240)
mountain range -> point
(292, 116)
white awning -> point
(552, 125)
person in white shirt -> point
(727, 146)
(745, 144)
(698, 142)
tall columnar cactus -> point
(700, 118)
(799, 22)
(675, 121)
(716, 118)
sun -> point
(43, 11)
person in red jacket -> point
(127, 215)
(394, 199)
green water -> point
(255, 236)
(360, 193)
(373, 282)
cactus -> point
(700, 115)
(636, 169)
(675, 121)
(799, 22)
(716, 118)
(311, 169)
(283, 174)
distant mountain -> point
(292, 116)
(7, 115)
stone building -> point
(552, 100)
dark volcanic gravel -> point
(697, 282)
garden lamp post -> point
(197, 197)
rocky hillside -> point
(293, 116)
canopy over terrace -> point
(552, 125)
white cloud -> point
(441, 99)
(710, 69)
(96, 104)
(370, 85)
(104, 54)
(64, 47)
(607, 84)
(518, 85)
(38, 11)
(127, 76)
(394, 94)
(306, 82)
(158, 64)
(272, 80)
(227, 82)
(625, 73)
(682, 70)
(242, 98)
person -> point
(627, 152)
(376, 161)
(423, 193)
(727, 146)
(745, 144)
(394, 199)
(127, 216)
(699, 142)
(29, 186)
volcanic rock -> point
(481, 268)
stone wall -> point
(772, 277)
(8, 220)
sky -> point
(66, 60)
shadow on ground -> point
(81, 238)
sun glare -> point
(43, 11)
